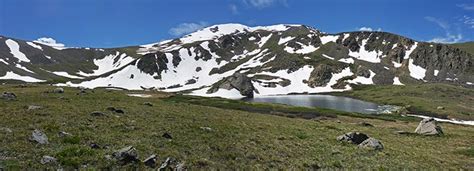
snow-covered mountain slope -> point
(233, 60)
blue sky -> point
(114, 23)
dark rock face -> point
(239, 81)
(456, 63)
(320, 76)
(39, 137)
(429, 126)
(167, 136)
(353, 137)
(126, 155)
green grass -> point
(423, 99)
(239, 139)
(467, 46)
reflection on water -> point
(323, 101)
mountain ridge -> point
(268, 60)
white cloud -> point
(466, 6)
(263, 3)
(449, 36)
(50, 42)
(185, 28)
(234, 9)
(369, 29)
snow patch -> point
(3, 61)
(363, 80)
(65, 74)
(408, 52)
(224, 93)
(328, 38)
(12, 76)
(365, 55)
(436, 72)
(396, 81)
(396, 64)
(326, 56)
(305, 49)
(108, 63)
(347, 60)
(23, 68)
(454, 121)
(34, 45)
(284, 40)
(15, 50)
(416, 72)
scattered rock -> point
(172, 164)
(113, 109)
(126, 155)
(206, 129)
(440, 108)
(7, 130)
(39, 137)
(167, 136)
(428, 126)
(64, 134)
(33, 107)
(366, 124)
(120, 111)
(150, 161)
(94, 146)
(58, 90)
(372, 143)
(148, 104)
(9, 96)
(48, 160)
(353, 137)
(97, 113)
(403, 132)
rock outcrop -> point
(237, 81)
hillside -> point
(205, 137)
(234, 61)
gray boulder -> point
(58, 90)
(39, 137)
(172, 164)
(372, 143)
(34, 107)
(9, 96)
(429, 126)
(126, 155)
(353, 137)
(48, 159)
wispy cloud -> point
(369, 29)
(234, 9)
(466, 6)
(449, 36)
(469, 21)
(185, 28)
(264, 3)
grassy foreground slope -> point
(424, 99)
(237, 139)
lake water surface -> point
(324, 101)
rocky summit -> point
(234, 60)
